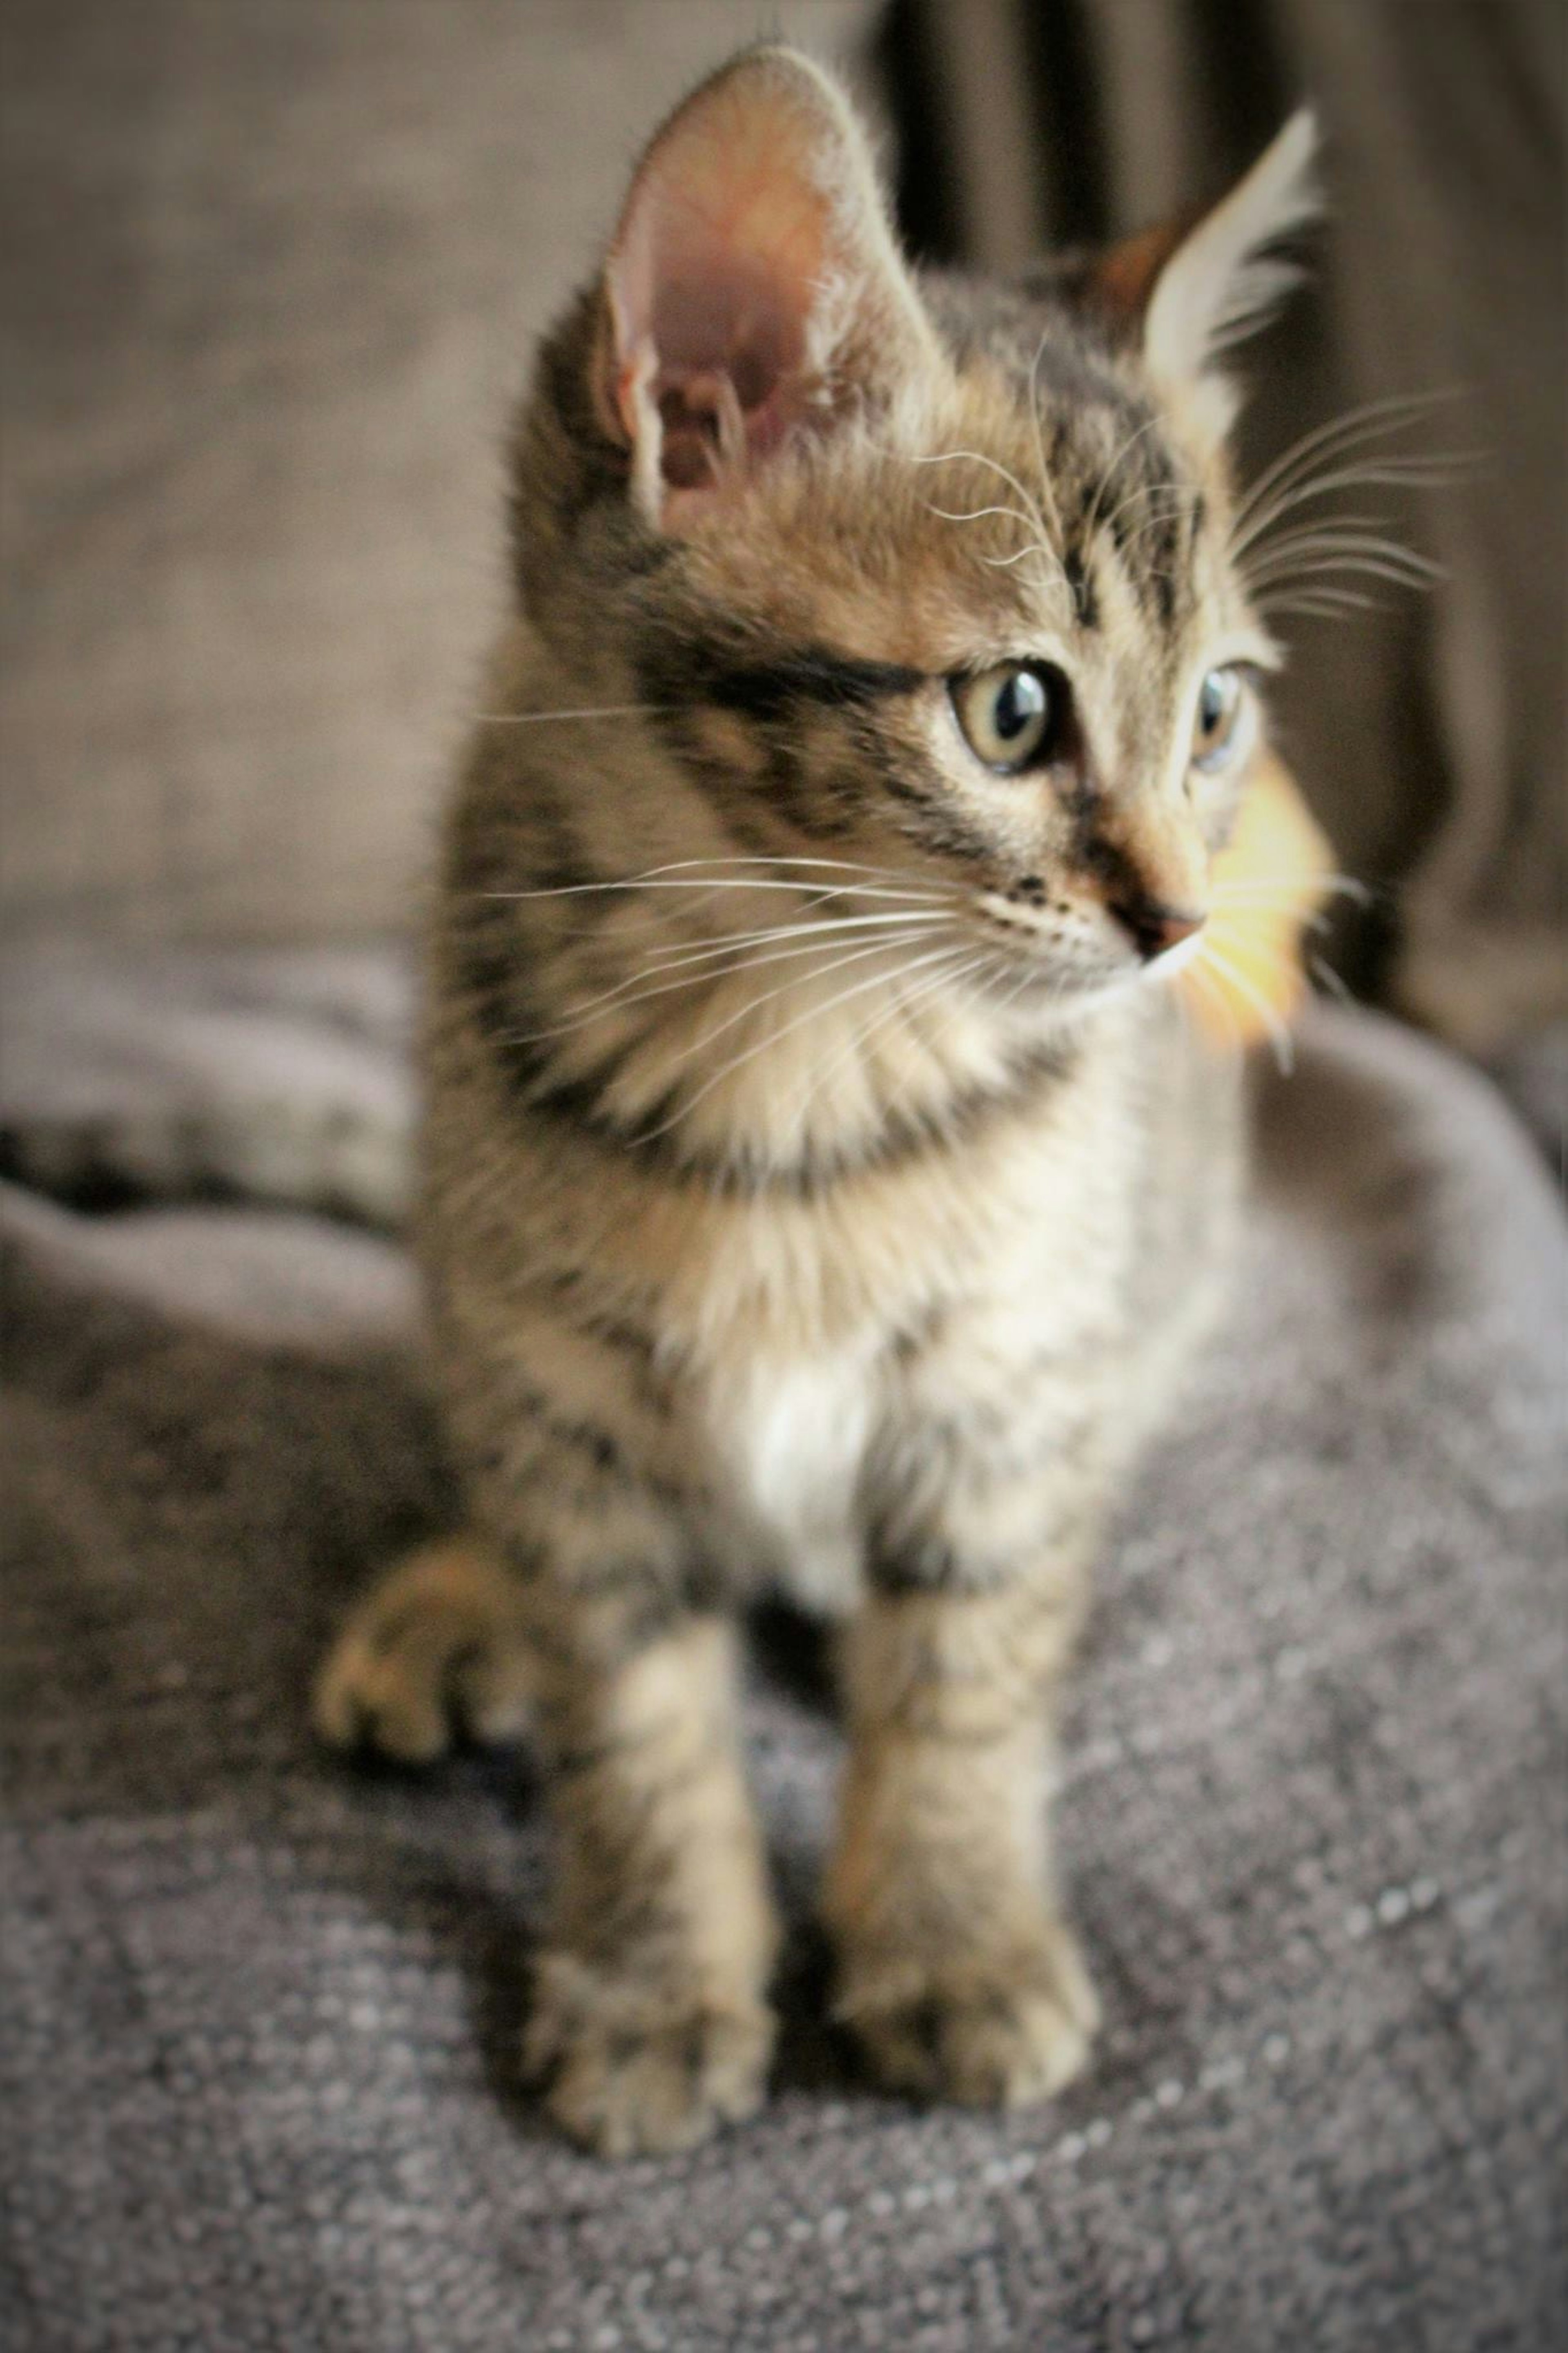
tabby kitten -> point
(821, 1183)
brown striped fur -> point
(741, 1283)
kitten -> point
(821, 1183)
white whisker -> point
(1005, 563)
(811, 1013)
(1308, 573)
(994, 466)
(584, 1012)
(1384, 472)
(813, 927)
(1172, 503)
(664, 916)
(658, 883)
(1360, 423)
(1323, 972)
(978, 514)
(675, 957)
(857, 955)
(1279, 1035)
(1269, 890)
(1031, 505)
(1047, 488)
(904, 998)
(1161, 519)
(1347, 545)
(1020, 983)
(549, 718)
(1330, 568)
(1108, 476)
(1326, 604)
(1337, 522)
(769, 857)
(1211, 993)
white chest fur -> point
(789, 1436)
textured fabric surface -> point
(259, 2012)
(271, 274)
(275, 1075)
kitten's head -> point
(933, 576)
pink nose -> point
(1154, 928)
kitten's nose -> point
(1153, 928)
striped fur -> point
(847, 1264)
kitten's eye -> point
(1013, 717)
(1222, 698)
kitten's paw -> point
(632, 2074)
(996, 2033)
(434, 1648)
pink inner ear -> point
(726, 348)
(719, 263)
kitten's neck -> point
(754, 1080)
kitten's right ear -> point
(1192, 290)
(753, 289)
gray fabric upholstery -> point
(259, 2012)
(274, 1075)
(271, 274)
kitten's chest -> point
(811, 1330)
(788, 1438)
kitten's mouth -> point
(1173, 960)
(1064, 968)
(1059, 986)
(1036, 927)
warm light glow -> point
(1266, 886)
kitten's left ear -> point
(1201, 292)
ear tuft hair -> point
(1226, 277)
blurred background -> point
(272, 273)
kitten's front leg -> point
(955, 1969)
(650, 2018)
(650, 2023)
